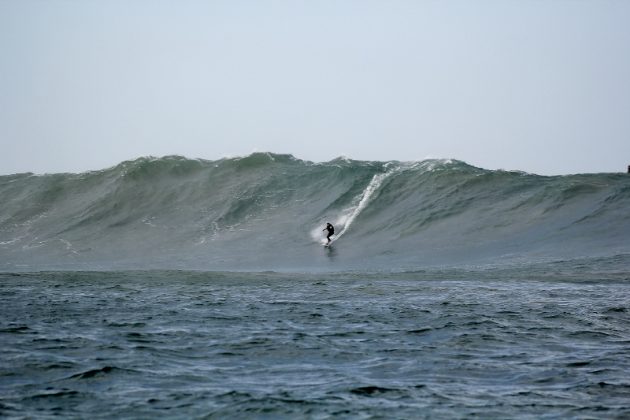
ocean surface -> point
(178, 288)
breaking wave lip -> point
(266, 211)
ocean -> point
(178, 288)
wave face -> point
(267, 211)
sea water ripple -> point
(273, 345)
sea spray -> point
(348, 217)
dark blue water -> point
(444, 343)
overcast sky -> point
(541, 86)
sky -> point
(541, 86)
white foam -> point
(347, 220)
(344, 220)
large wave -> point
(267, 211)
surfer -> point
(331, 231)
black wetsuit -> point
(331, 231)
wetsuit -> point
(331, 231)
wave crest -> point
(265, 210)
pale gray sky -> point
(540, 85)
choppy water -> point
(450, 291)
(542, 341)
